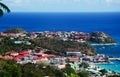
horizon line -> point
(67, 12)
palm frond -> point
(1, 12)
(4, 7)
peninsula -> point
(17, 39)
(54, 49)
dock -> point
(114, 59)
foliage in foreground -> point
(11, 69)
(114, 76)
(3, 8)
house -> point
(3, 34)
(73, 58)
(12, 34)
(40, 58)
(25, 52)
(12, 53)
(70, 53)
(50, 55)
(17, 59)
(1, 56)
(62, 66)
(18, 42)
(22, 58)
(39, 53)
(8, 57)
(32, 57)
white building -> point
(70, 53)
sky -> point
(63, 5)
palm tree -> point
(3, 8)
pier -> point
(114, 59)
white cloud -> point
(18, 1)
(108, 1)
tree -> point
(9, 68)
(85, 65)
(3, 8)
(83, 74)
(69, 72)
(103, 71)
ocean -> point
(111, 50)
(85, 22)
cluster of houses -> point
(74, 59)
(72, 36)
(13, 34)
(30, 56)
(26, 56)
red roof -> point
(11, 53)
(16, 59)
(11, 34)
(74, 58)
(1, 56)
(39, 58)
(24, 52)
(39, 53)
(21, 56)
(8, 57)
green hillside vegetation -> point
(9, 68)
(15, 30)
(62, 46)
(53, 45)
(101, 37)
(7, 45)
(3, 8)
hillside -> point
(15, 30)
(60, 47)
(100, 38)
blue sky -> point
(63, 5)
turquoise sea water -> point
(112, 50)
(86, 22)
(111, 67)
